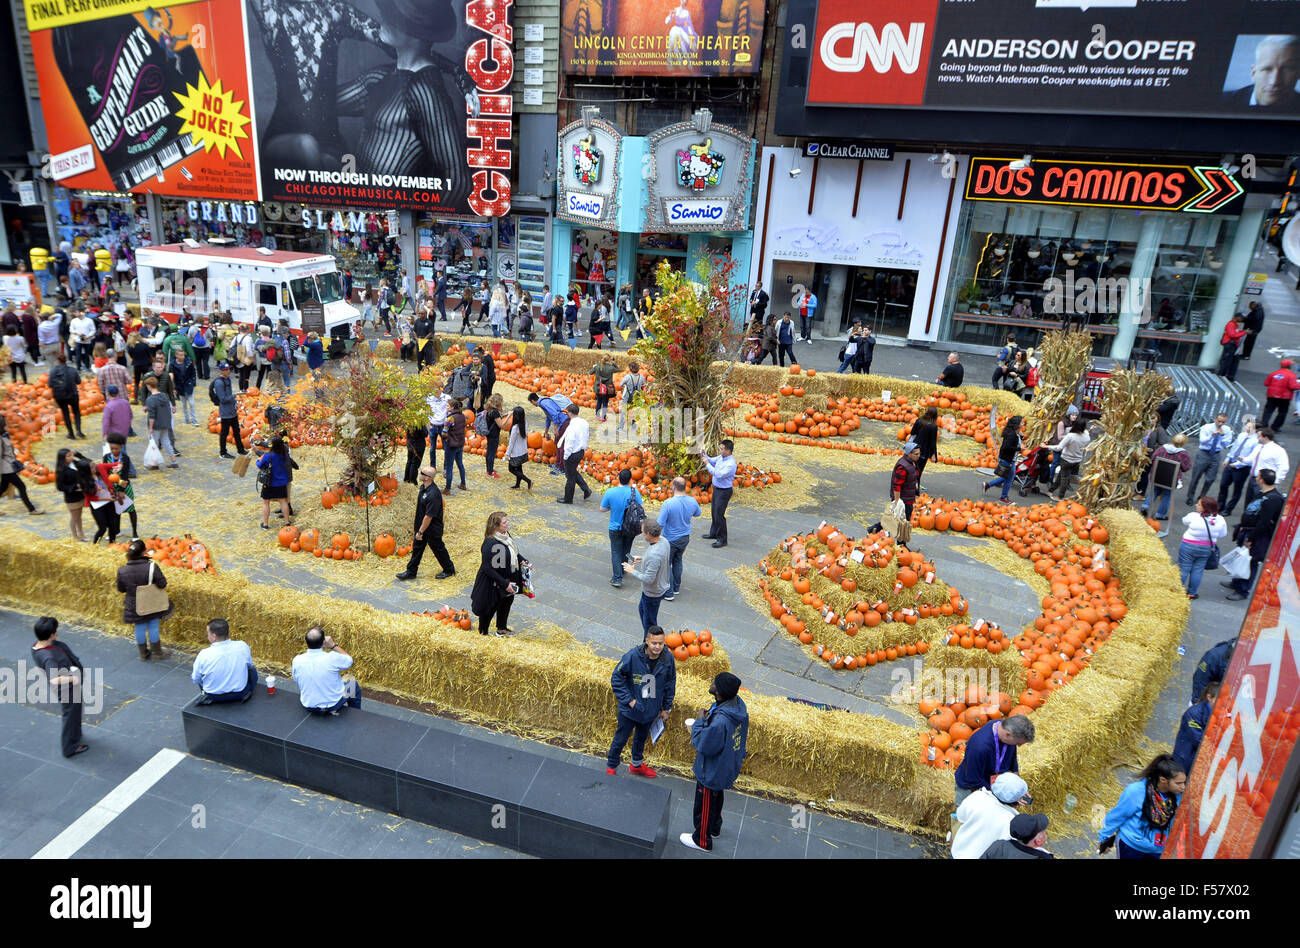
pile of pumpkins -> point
(30, 414)
(386, 491)
(339, 547)
(178, 552)
(951, 725)
(510, 367)
(460, 618)
(1082, 611)
(687, 644)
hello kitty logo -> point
(698, 167)
(586, 161)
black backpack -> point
(633, 517)
(212, 392)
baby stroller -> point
(1029, 470)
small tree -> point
(690, 328)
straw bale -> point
(1011, 674)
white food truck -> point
(194, 275)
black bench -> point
(432, 773)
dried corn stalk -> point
(1063, 357)
(1129, 402)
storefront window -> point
(117, 222)
(1024, 268)
(595, 262)
(460, 249)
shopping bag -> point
(153, 458)
(895, 521)
(240, 466)
(149, 599)
(1236, 563)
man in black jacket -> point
(487, 373)
(1028, 835)
(63, 384)
(428, 529)
(423, 331)
(64, 669)
(1256, 528)
(1254, 325)
(644, 683)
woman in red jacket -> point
(1233, 333)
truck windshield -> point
(329, 287)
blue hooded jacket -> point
(1191, 731)
(1125, 820)
(719, 741)
(1212, 666)
(632, 682)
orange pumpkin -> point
(385, 545)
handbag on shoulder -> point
(149, 599)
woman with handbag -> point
(273, 473)
(603, 387)
(146, 602)
(499, 577)
(9, 468)
(1006, 469)
(1199, 549)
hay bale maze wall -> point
(556, 688)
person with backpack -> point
(201, 338)
(626, 514)
(632, 383)
(64, 385)
(287, 344)
(603, 386)
(268, 355)
(1168, 464)
(242, 352)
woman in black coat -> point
(499, 577)
(1007, 457)
(136, 573)
(925, 432)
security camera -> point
(934, 157)
(795, 172)
(1024, 162)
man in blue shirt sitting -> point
(224, 671)
(723, 470)
(675, 519)
(615, 501)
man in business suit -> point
(428, 528)
(1275, 71)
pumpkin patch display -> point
(31, 414)
(178, 552)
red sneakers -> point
(644, 770)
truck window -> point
(303, 288)
(330, 289)
(266, 295)
(286, 301)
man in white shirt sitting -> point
(986, 816)
(321, 688)
(224, 671)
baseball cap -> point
(223, 364)
(1287, 363)
(909, 447)
(1009, 787)
(1026, 826)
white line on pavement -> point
(89, 824)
